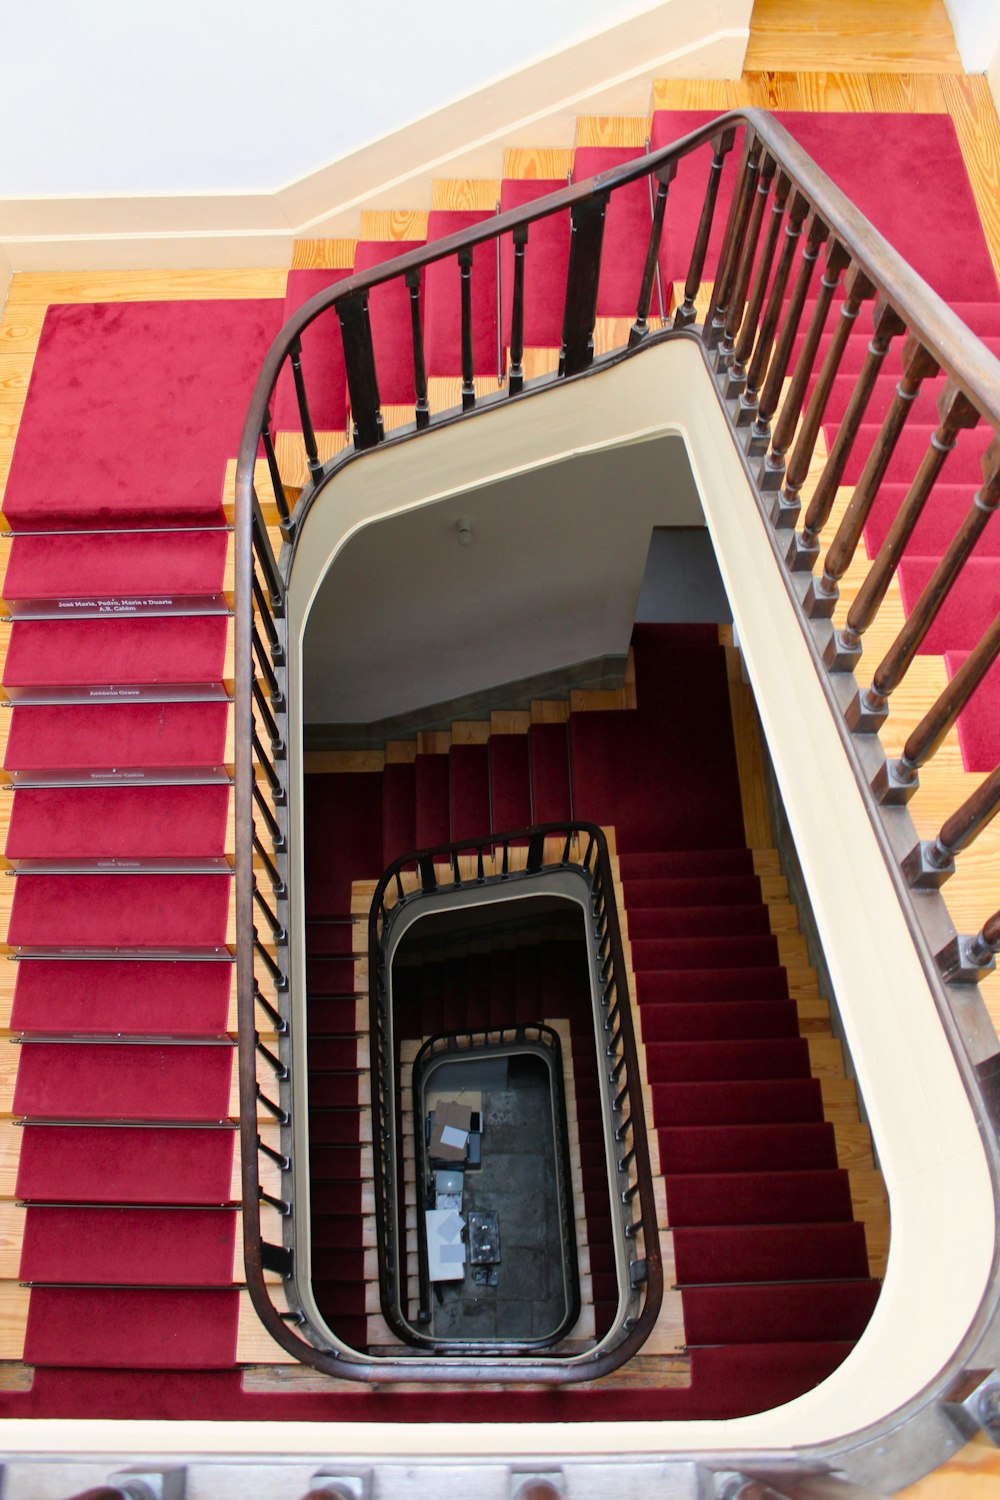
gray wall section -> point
(407, 616)
(682, 583)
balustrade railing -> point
(798, 270)
(504, 863)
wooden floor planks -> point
(852, 37)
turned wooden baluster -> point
(722, 144)
(580, 308)
(772, 470)
(664, 177)
(308, 435)
(918, 365)
(515, 381)
(867, 712)
(748, 409)
(422, 412)
(468, 382)
(359, 361)
(760, 432)
(930, 862)
(732, 241)
(857, 288)
(736, 314)
(280, 498)
(805, 547)
(736, 375)
(897, 781)
(265, 556)
(966, 960)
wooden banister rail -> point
(584, 851)
(786, 226)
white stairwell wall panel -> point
(923, 1128)
(542, 587)
(172, 224)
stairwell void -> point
(773, 1280)
(702, 385)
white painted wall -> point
(408, 617)
(214, 133)
(246, 95)
(976, 24)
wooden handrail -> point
(595, 864)
(963, 356)
(747, 343)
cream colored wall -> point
(408, 617)
(608, 72)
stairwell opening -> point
(774, 1283)
(496, 1030)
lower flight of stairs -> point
(753, 1184)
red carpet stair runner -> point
(118, 672)
(117, 744)
(769, 1258)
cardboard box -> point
(450, 1133)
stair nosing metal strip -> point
(115, 1039)
(114, 530)
(117, 607)
(73, 694)
(155, 864)
(84, 777)
(32, 952)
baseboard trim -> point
(601, 672)
(611, 73)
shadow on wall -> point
(682, 584)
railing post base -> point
(771, 474)
(959, 965)
(784, 512)
(923, 872)
(735, 385)
(893, 784)
(820, 601)
(802, 556)
(840, 655)
(747, 410)
(864, 717)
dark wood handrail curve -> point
(504, 861)
(786, 226)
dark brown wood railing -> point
(842, 274)
(504, 862)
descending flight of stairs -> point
(768, 1251)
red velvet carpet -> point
(143, 404)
